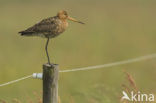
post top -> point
(50, 65)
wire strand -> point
(112, 64)
(17, 80)
(147, 57)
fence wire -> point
(147, 57)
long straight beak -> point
(72, 19)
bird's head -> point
(64, 16)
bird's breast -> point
(62, 26)
(59, 27)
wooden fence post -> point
(50, 83)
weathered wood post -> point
(50, 83)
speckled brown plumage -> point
(50, 27)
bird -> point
(50, 28)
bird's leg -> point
(46, 48)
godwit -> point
(50, 28)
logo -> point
(140, 97)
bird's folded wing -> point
(45, 26)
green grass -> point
(114, 30)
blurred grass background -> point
(114, 31)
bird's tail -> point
(26, 33)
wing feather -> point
(45, 26)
